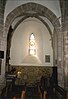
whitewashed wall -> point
(20, 42)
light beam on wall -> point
(32, 58)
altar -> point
(31, 74)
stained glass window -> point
(32, 45)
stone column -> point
(54, 48)
(1, 19)
(65, 30)
(2, 6)
(2, 40)
(60, 57)
(64, 19)
(1, 23)
(65, 46)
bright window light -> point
(32, 45)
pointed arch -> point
(26, 9)
(32, 45)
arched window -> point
(32, 45)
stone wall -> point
(2, 43)
(31, 74)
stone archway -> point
(30, 10)
(11, 32)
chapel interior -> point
(33, 49)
